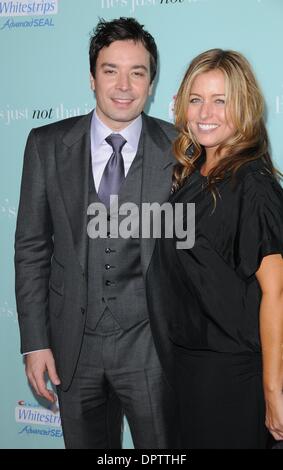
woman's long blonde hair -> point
(246, 107)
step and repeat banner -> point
(45, 77)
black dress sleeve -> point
(260, 228)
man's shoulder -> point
(60, 127)
(166, 127)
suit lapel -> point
(158, 163)
(73, 172)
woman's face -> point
(208, 115)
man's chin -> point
(116, 118)
(124, 117)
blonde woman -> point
(223, 298)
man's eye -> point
(109, 72)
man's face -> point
(121, 83)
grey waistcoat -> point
(114, 269)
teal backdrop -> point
(45, 77)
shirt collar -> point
(99, 132)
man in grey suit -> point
(82, 301)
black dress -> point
(210, 298)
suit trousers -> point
(118, 373)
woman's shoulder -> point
(255, 178)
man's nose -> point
(123, 82)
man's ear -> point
(92, 82)
(150, 90)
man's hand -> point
(37, 363)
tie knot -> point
(116, 141)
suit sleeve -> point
(33, 251)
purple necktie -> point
(114, 172)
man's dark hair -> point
(121, 29)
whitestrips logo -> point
(25, 8)
(24, 413)
(16, 8)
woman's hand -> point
(274, 415)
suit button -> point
(82, 311)
(108, 235)
(108, 217)
(107, 250)
(108, 283)
(107, 266)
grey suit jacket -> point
(51, 237)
